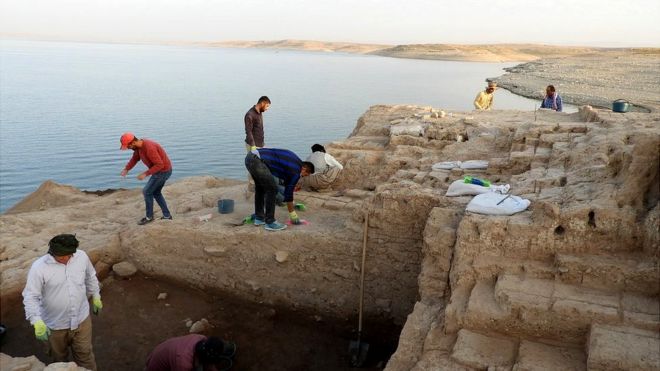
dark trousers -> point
(265, 188)
(152, 190)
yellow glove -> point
(294, 218)
(41, 331)
(253, 148)
(97, 305)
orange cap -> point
(126, 138)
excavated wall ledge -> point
(299, 268)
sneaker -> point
(275, 226)
(258, 221)
(145, 220)
(166, 217)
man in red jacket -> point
(159, 168)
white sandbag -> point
(486, 203)
(416, 130)
(460, 188)
(446, 165)
(474, 164)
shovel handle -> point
(364, 257)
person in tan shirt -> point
(484, 100)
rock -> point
(204, 218)
(124, 269)
(102, 269)
(281, 256)
(162, 296)
(188, 322)
(200, 326)
(62, 366)
(216, 250)
(10, 363)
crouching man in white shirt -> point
(56, 300)
(326, 170)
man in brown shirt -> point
(254, 124)
(254, 132)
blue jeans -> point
(265, 188)
(152, 190)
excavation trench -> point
(290, 299)
(270, 337)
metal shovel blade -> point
(358, 352)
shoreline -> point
(576, 71)
(581, 80)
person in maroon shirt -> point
(192, 352)
(159, 168)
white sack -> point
(446, 165)
(460, 188)
(486, 203)
(474, 164)
(416, 130)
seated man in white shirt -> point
(326, 170)
(56, 304)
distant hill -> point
(451, 52)
(307, 45)
(484, 52)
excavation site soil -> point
(134, 321)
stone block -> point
(411, 340)
(641, 311)
(456, 307)
(518, 293)
(583, 313)
(641, 304)
(481, 352)
(435, 360)
(541, 357)
(586, 295)
(436, 339)
(623, 348)
(483, 311)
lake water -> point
(63, 106)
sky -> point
(558, 22)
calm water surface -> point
(63, 106)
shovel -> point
(358, 349)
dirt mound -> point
(50, 195)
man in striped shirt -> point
(263, 164)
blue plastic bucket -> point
(620, 105)
(225, 206)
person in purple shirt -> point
(192, 352)
(552, 100)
